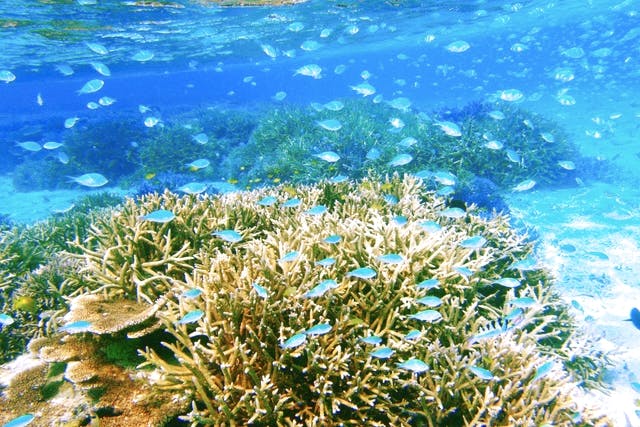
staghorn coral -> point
(35, 276)
(227, 345)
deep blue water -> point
(209, 56)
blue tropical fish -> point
(292, 203)
(362, 273)
(260, 290)
(192, 293)
(414, 365)
(316, 210)
(326, 262)
(481, 373)
(191, 317)
(430, 316)
(231, 236)
(289, 256)
(21, 421)
(428, 284)
(267, 201)
(371, 340)
(319, 329)
(295, 341)
(160, 216)
(382, 353)
(390, 258)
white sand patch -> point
(29, 207)
(589, 240)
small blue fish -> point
(160, 216)
(475, 242)
(382, 353)
(428, 284)
(21, 421)
(289, 256)
(326, 262)
(481, 373)
(5, 320)
(295, 341)
(577, 305)
(91, 180)
(400, 220)
(331, 125)
(635, 386)
(267, 201)
(543, 370)
(463, 271)
(597, 254)
(328, 156)
(430, 226)
(490, 332)
(319, 329)
(333, 239)
(430, 316)
(634, 317)
(362, 273)
(192, 293)
(193, 188)
(413, 335)
(292, 203)
(316, 210)
(401, 160)
(522, 302)
(143, 56)
(390, 258)
(76, 327)
(414, 365)
(339, 179)
(91, 86)
(430, 301)
(507, 282)
(391, 199)
(321, 288)
(372, 340)
(230, 236)
(191, 317)
(200, 138)
(260, 290)
(453, 213)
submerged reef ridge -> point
(351, 303)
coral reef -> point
(351, 303)
(504, 151)
(497, 143)
(35, 275)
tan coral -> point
(229, 358)
(109, 316)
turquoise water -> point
(153, 63)
(130, 97)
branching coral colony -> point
(369, 303)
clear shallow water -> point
(575, 63)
